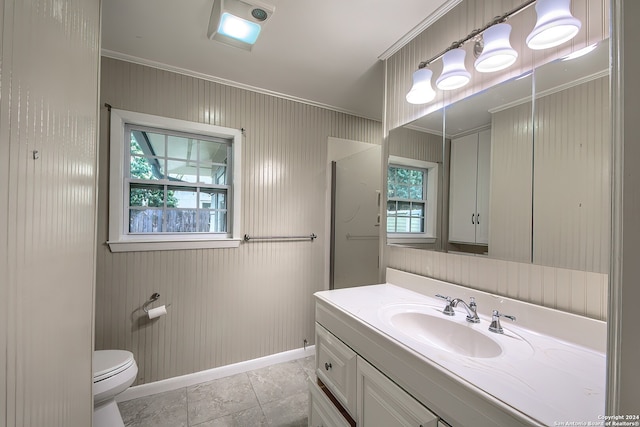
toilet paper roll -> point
(157, 312)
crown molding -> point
(203, 76)
(418, 29)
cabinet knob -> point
(477, 218)
(473, 218)
(327, 366)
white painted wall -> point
(227, 305)
(48, 103)
(624, 340)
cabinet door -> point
(381, 403)
(462, 193)
(482, 187)
(336, 368)
(322, 413)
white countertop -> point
(548, 379)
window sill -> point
(410, 240)
(169, 245)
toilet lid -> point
(107, 363)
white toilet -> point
(113, 372)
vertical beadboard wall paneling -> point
(227, 305)
(570, 290)
(572, 176)
(511, 174)
(413, 144)
(48, 213)
(578, 292)
(6, 291)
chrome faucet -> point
(495, 322)
(472, 308)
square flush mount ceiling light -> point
(238, 23)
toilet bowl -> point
(113, 372)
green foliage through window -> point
(146, 196)
(406, 205)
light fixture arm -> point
(475, 33)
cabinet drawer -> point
(322, 412)
(381, 403)
(336, 368)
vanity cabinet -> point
(352, 392)
(336, 368)
(469, 188)
(322, 412)
(382, 403)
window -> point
(174, 184)
(407, 199)
(411, 200)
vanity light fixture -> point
(555, 24)
(454, 74)
(238, 23)
(497, 53)
(421, 91)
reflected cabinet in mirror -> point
(523, 169)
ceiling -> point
(326, 52)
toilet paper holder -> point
(154, 297)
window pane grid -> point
(177, 183)
(150, 182)
(406, 206)
(150, 220)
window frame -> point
(120, 240)
(431, 201)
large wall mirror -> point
(523, 170)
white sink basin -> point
(428, 325)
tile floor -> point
(275, 396)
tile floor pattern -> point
(275, 396)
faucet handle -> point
(448, 310)
(495, 321)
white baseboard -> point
(175, 383)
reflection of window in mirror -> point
(411, 200)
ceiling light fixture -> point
(497, 53)
(421, 91)
(238, 23)
(555, 25)
(454, 74)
